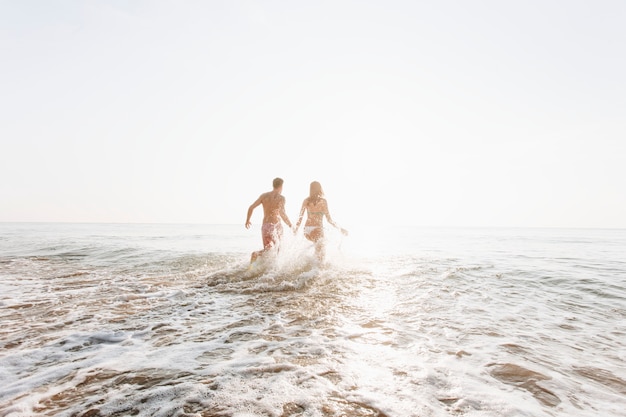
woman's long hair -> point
(315, 192)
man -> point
(273, 211)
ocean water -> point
(170, 320)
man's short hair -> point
(277, 182)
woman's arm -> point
(332, 222)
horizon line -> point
(381, 225)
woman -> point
(316, 207)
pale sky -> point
(431, 113)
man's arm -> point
(300, 216)
(283, 215)
(251, 209)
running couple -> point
(273, 203)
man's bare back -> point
(273, 208)
(273, 204)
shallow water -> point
(169, 320)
